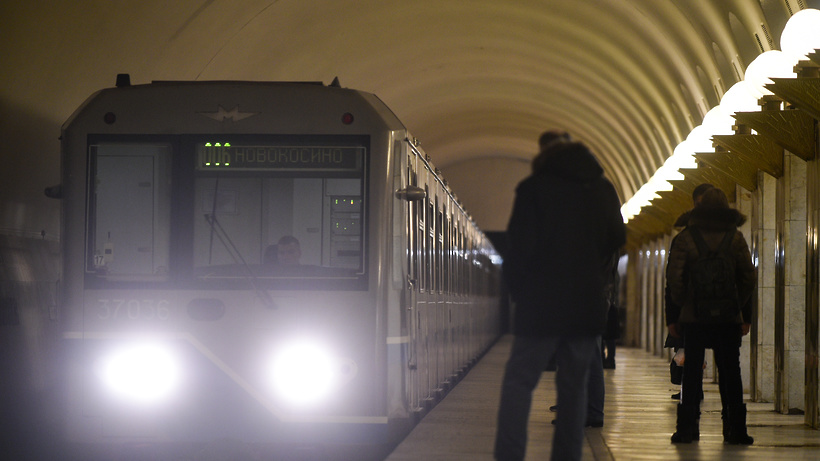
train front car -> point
(238, 266)
(224, 263)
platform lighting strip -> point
(798, 39)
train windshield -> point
(129, 211)
(258, 208)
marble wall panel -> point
(796, 319)
(765, 370)
(766, 266)
(765, 316)
(797, 187)
(793, 186)
(796, 378)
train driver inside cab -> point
(288, 251)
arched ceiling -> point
(476, 81)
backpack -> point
(712, 281)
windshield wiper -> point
(233, 251)
(219, 231)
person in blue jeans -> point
(596, 390)
(596, 393)
(565, 225)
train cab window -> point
(129, 211)
(295, 212)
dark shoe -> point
(737, 426)
(609, 364)
(724, 415)
(687, 425)
(740, 439)
(554, 408)
(682, 437)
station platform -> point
(638, 423)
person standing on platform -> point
(565, 225)
(596, 390)
(613, 328)
(711, 277)
(672, 342)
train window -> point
(300, 215)
(129, 210)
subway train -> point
(267, 264)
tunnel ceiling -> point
(475, 81)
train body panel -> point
(270, 262)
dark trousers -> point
(724, 340)
(525, 366)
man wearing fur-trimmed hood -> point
(565, 225)
(713, 222)
(716, 224)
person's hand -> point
(673, 330)
(745, 328)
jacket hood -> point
(683, 219)
(716, 219)
(571, 161)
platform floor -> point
(639, 419)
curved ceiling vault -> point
(476, 82)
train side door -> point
(410, 310)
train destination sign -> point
(229, 156)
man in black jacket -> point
(565, 224)
(714, 225)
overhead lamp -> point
(683, 150)
(800, 36)
(739, 98)
(717, 121)
(675, 163)
(645, 195)
(682, 157)
(658, 182)
(700, 140)
(769, 64)
(670, 171)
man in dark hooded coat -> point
(713, 221)
(565, 225)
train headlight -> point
(141, 373)
(304, 373)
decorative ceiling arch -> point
(476, 82)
